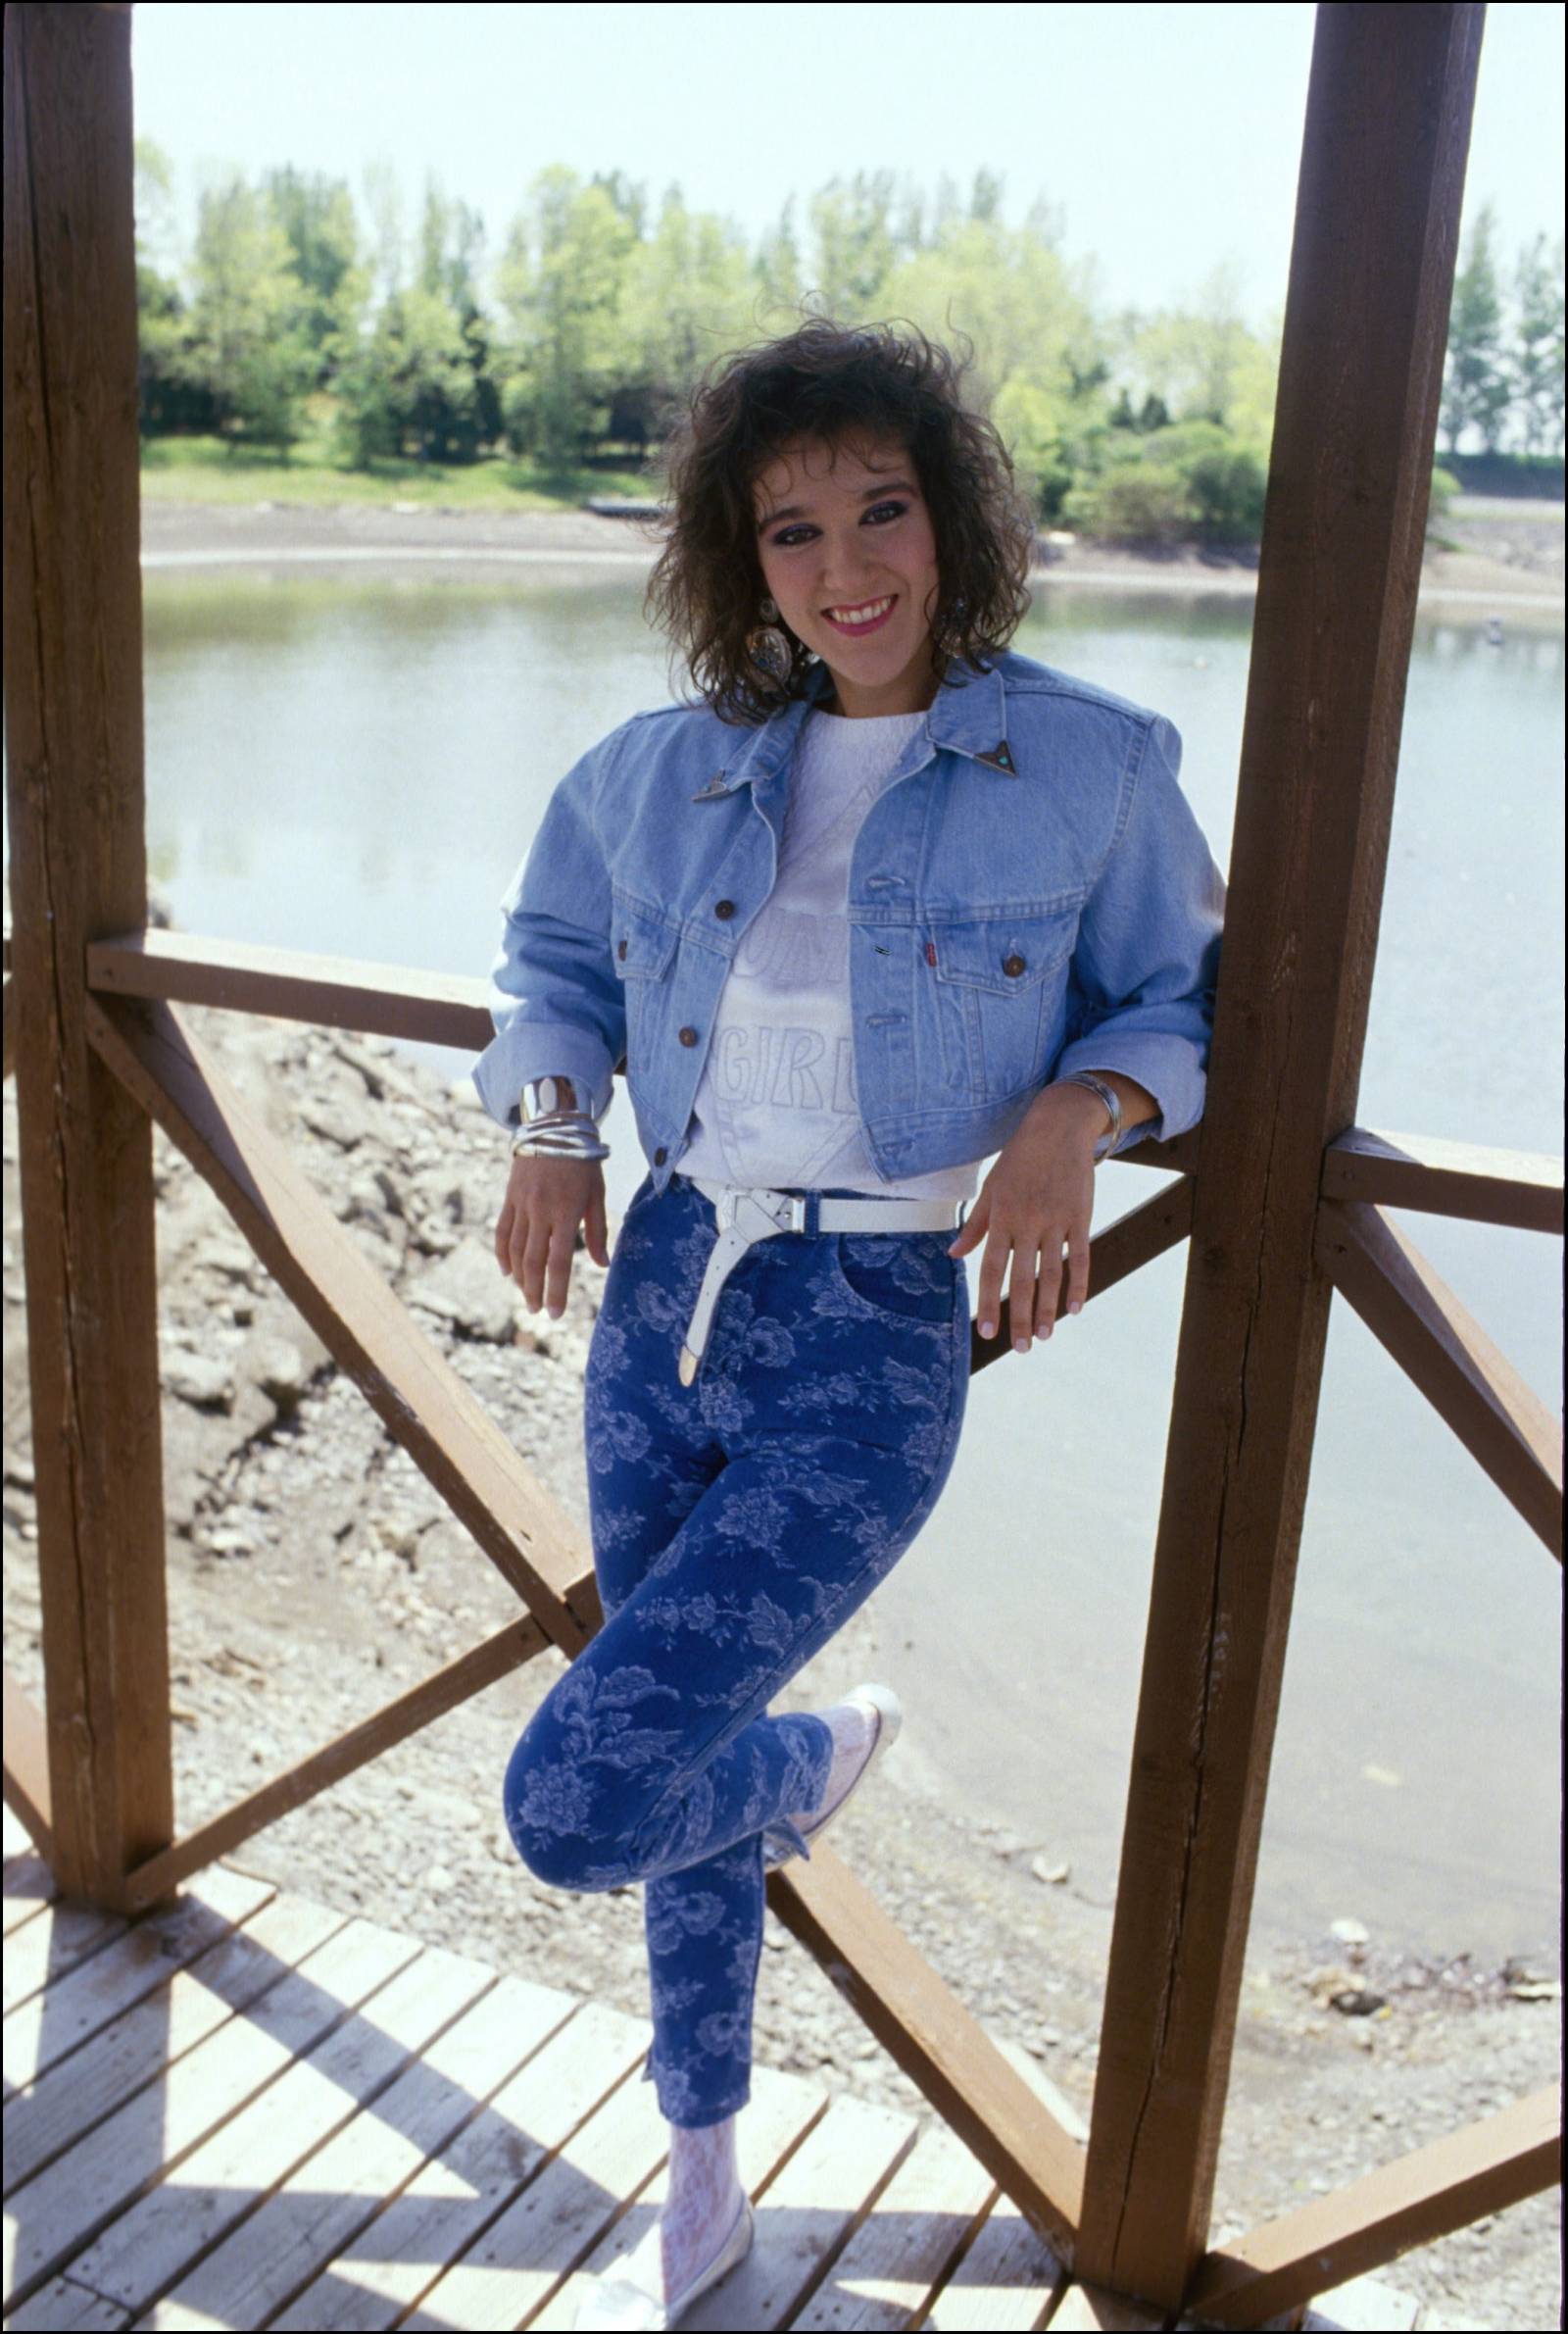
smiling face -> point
(848, 550)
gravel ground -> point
(313, 1573)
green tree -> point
(316, 217)
(1535, 359)
(629, 198)
(411, 389)
(1224, 481)
(154, 206)
(689, 295)
(852, 225)
(1037, 350)
(249, 335)
(387, 258)
(561, 283)
(1133, 501)
(1197, 362)
(451, 266)
(1011, 294)
(1476, 388)
(984, 195)
(173, 391)
(777, 270)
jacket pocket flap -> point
(641, 940)
(1003, 952)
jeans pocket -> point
(899, 1275)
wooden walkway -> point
(247, 2110)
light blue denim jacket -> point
(1029, 894)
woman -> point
(886, 902)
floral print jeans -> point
(737, 1522)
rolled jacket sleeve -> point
(1147, 959)
(555, 999)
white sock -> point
(700, 2210)
(854, 1731)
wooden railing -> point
(138, 982)
(1282, 1197)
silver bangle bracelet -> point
(1109, 1096)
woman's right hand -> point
(536, 1234)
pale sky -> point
(1169, 136)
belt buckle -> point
(783, 1210)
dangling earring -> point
(770, 649)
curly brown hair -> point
(828, 382)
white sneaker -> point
(885, 1711)
(617, 2306)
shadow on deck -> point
(247, 2110)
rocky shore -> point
(313, 1573)
(1507, 558)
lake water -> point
(356, 767)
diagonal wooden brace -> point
(403, 1376)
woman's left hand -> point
(1036, 1199)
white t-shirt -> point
(776, 1104)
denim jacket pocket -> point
(642, 940)
(998, 983)
(642, 948)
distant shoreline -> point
(470, 543)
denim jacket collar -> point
(970, 718)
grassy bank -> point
(209, 469)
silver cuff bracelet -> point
(569, 1135)
(552, 1125)
(1109, 1096)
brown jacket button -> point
(688, 1035)
(726, 908)
(621, 948)
(660, 1156)
(1013, 965)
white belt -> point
(748, 1212)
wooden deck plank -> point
(50, 2219)
(51, 2024)
(1090, 2309)
(62, 2308)
(907, 2242)
(53, 1941)
(448, 2206)
(1007, 2282)
(117, 2063)
(558, 2218)
(781, 2110)
(29, 1884)
(340, 2190)
(148, 2248)
(813, 2206)
(933, 2038)
(29, 1887)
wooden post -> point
(1367, 319)
(73, 729)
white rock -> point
(201, 1379)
